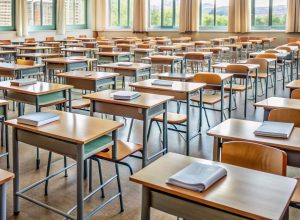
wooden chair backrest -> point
(161, 60)
(272, 51)
(243, 39)
(145, 46)
(295, 94)
(71, 38)
(124, 47)
(236, 68)
(283, 48)
(266, 55)
(263, 64)
(29, 40)
(285, 115)
(208, 78)
(293, 39)
(90, 45)
(297, 44)
(5, 41)
(50, 39)
(83, 36)
(106, 48)
(25, 62)
(194, 56)
(255, 156)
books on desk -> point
(125, 64)
(275, 129)
(23, 82)
(159, 82)
(38, 118)
(197, 176)
(125, 95)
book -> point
(23, 82)
(125, 95)
(197, 176)
(125, 64)
(159, 82)
(38, 118)
(275, 129)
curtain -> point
(140, 15)
(21, 18)
(99, 15)
(293, 16)
(239, 16)
(61, 17)
(189, 16)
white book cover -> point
(125, 95)
(275, 129)
(125, 64)
(197, 176)
(159, 82)
(23, 82)
(38, 118)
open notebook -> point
(197, 176)
(275, 129)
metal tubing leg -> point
(90, 176)
(16, 171)
(100, 177)
(65, 165)
(150, 126)
(119, 187)
(48, 172)
(3, 202)
(130, 129)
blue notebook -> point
(38, 118)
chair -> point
(255, 156)
(71, 38)
(25, 62)
(5, 41)
(125, 47)
(293, 39)
(194, 59)
(295, 94)
(83, 36)
(50, 39)
(29, 40)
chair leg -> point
(205, 112)
(119, 187)
(2, 132)
(65, 165)
(100, 176)
(130, 129)
(149, 130)
(47, 173)
(90, 176)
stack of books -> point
(275, 129)
(125, 95)
(125, 64)
(23, 82)
(159, 82)
(197, 176)
(38, 118)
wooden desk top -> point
(34, 48)
(202, 42)
(86, 38)
(222, 48)
(204, 53)
(5, 176)
(66, 60)
(243, 130)
(134, 66)
(250, 193)
(143, 50)
(88, 75)
(177, 86)
(52, 42)
(38, 55)
(145, 100)
(294, 84)
(113, 54)
(164, 57)
(3, 102)
(13, 66)
(278, 102)
(12, 46)
(278, 55)
(76, 128)
(176, 76)
(40, 88)
(256, 41)
(76, 49)
(224, 65)
(246, 43)
(7, 52)
(74, 45)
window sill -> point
(269, 31)
(119, 29)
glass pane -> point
(75, 12)
(168, 13)
(34, 12)
(207, 13)
(114, 13)
(279, 13)
(155, 13)
(177, 11)
(261, 12)
(222, 7)
(6, 13)
(124, 13)
(48, 12)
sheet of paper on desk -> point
(197, 176)
(275, 129)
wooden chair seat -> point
(296, 196)
(260, 75)
(209, 99)
(173, 118)
(80, 103)
(236, 87)
(125, 149)
(53, 103)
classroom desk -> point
(88, 80)
(206, 55)
(185, 46)
(166, 60)
(87, 39)
(68, 45)
(251, 68)
(277, 102)
(135, 70)
(293, 85)
(180, 91)
(183, 77)
(4, 178)
(142, 52)
(74, 135)
(38, 56)
(242, 194)
(243, 130)
(18, 71)
(39, 49)
(235, 50)
(80, 51)
(55, 44)
(8, 53)
(246, 45)
(113, 57)
(142, 108)
(10, 47)
(201, 43)
(4, 134)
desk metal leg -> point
(256, 81)
(188, 124)
(216, 150)
(80, 204)
(145, 132)
(16, 171)
(275, 78)
(3, 202)
(165, 128)
(146, 204)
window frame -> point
(13, 19)
(45, 27)
(214, 27)
(270, 25)
(162, 26)
(119, 16)
(80, 26)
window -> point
(7, 15)
(76, 16)
(214, 14)
(120, 13)
(269, 14)
(41, 14)
(164, 13)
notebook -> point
(197, 176)
(125, 95)
(38, 118)
(23, 82)
(159, 82)
(125, 64)
(275, 129)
